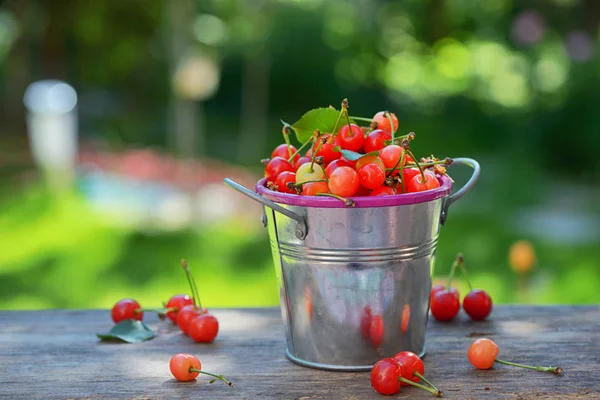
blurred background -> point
(111, 172)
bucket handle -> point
(463, 190)
(301, 229)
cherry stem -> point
(347, 202)
(452, 271)
(220, 377)
(334, 130)
(410, 153)
(389, 117)
(435, 392)
(310, 139)
(362, 119)
(345, 110)
(461, 262)
(555, 370)
(418, 375)
(314, 156)
(402, 170)
(159, 311)
(286, 136)
(192, 283)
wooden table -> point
(56, 355)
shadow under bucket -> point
(355, 281)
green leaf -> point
(323, 119)
(353, 156)
(128, 330)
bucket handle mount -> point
(301, 229)
(463, 190)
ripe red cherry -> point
(180, 365)
(409, 173)
(179, 301)
(371, 176)
(282, 181)
(483, 353)
(300, 161)
(375, 139)
(326, 150)
(390, 155)
(384, 376)
(351, 139)
(283, 152)
(377, 331)
(276, 166)
(344, 182)
(383, 122)
(185, 315)
(203, 328)
(340, 162)
(416, 184)
(438, 288)
(365, 322)
(478, 304)
(444, 306)
(125, 309)
(412, 363)
(383, 191)
(313, 188)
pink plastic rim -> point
(361, 202)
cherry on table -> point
(186, 367)
(388, 374)
(178, 301)
(477, 304)
(126, 309)
(203, 328)
(185, 315)
(444, 305)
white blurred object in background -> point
(52, 127)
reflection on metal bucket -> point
(355, 282)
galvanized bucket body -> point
(354, 282)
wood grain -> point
(55, 355)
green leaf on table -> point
(128, 330)
(323, 119)
(353, 156)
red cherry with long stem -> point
(444, 306)
(186, 367)
(126, 309)
(350, 137)
(203, 328)
(477, 303)
(384, 123)
(387, 375)
(483, 352)
(414, 369)
(185, 316)
(178, 301)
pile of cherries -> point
(183, 310)
(353, 161)
(445, 301)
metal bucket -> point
(355, 282)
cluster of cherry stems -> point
(381, 164)
(387, 376)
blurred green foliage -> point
(512, 83)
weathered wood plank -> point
(55, 355)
